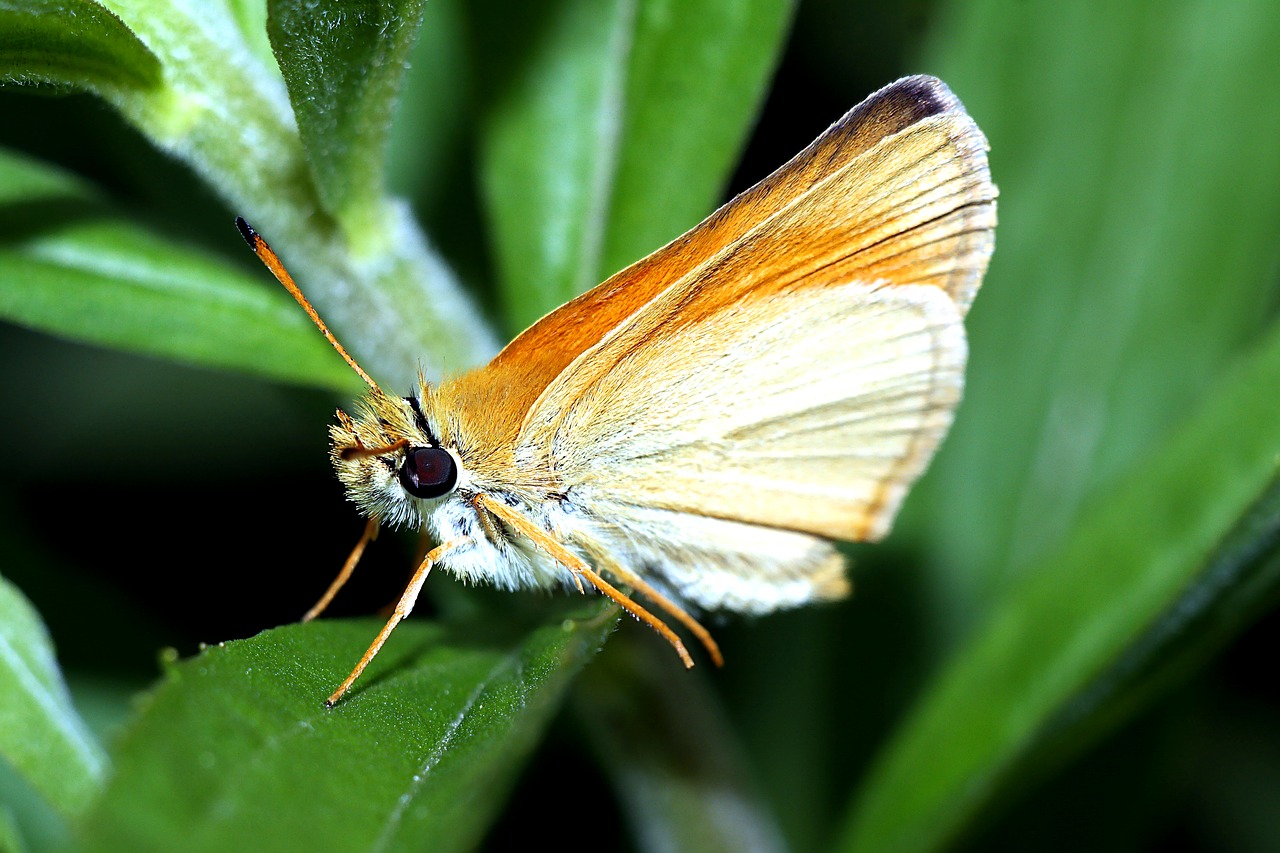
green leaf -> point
(223, 109)
(1135, 252)
(344, 63)
(697, 75)
(427, 154)
(610, 128)
(41, 734)
(10, 837)
(251, 20)
(74, 44)
(70, 267)
(1164, 566)
(28, 824)
(1134, 256)
(235, 751)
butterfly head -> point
(392, 461)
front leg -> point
(403, 608)
(575, 564)
(489, 523)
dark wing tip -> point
(890, 110)
(917, 97)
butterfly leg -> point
(633, 580)
(493, 534)
(370, 533)
(578, 566)
(403, 608)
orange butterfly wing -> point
(801, 376)
(944, 240)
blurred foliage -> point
(1065, 644)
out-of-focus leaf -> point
(669, 751)
(1135, 256)
(72, 43)
(235, 751)
(70, 267)
(251, 18)
(28, 824)
(697, 73)
(1238, 780)
(10, 838)
(549, 143)
(611, 126)
(1178, 556)
(41, 734)
(430, 122)
(344, 63)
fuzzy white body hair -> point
(706, 563)
(509, 563)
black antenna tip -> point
(246, 231)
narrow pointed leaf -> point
(430, 129)
(235, 751)
(71, 267)
(697, 74)
(1164, 566)
(344, 64)
(611, 127)
(10, 837)
(1135, 250)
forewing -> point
(811, 410)
(897, 190)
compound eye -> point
(428, 472)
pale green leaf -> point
(41, 734)
(69, 266)
(1174, 559)
(610, 127)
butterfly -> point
(701, 428)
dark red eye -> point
(428, 472)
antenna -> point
(272, 261)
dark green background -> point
(1123, 352)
